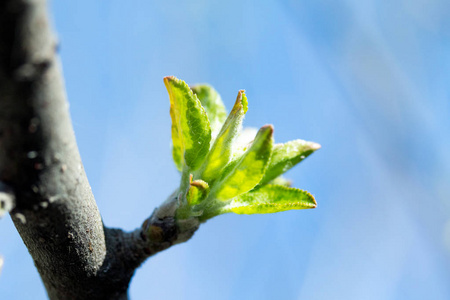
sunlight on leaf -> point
(287, 155)
(213, 105)
(245, 173)
(270, 199)
(221, 151)
(224, 168)
(191, 132)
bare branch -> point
(55, 214)
(55, 211)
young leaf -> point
(244, 174)
(285, 156)
(191, 132)
(270, 199)
(198, 190)
(177, 147)
(221, 151)
(213, 105)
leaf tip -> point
(174, 81)
(312, 201)
(168, 81)
(243, 100)
(241, 103)
(169, 78)
(267, 129)
(315, 146)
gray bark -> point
(41, 170)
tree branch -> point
(55, 212)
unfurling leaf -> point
(287, 155)
(198, 190)
(191, 132)
(221, 151)
(213, 105)
(270, 199)
(242, 170)
(245, 173)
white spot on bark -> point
(7, 202)
(32, 154)
(35, 189)
(54, 198)
(21, 218)
(57, 157)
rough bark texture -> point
(40, 168)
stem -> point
(185, 180)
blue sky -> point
(369, 80)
